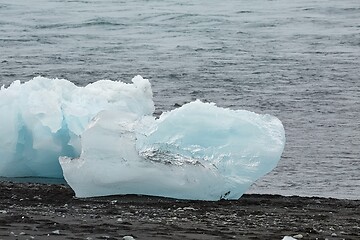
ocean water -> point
(298, 60)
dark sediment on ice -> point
(43, 211)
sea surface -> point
(298, 60)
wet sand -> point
(44, 211)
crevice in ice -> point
(168, 158)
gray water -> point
(298, 60)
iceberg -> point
(43, 119)
(104, 140)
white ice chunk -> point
(288, 238)
(43, 119)
(111, 144)
(198, 151)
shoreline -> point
(50, 211)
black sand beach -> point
(43, 211)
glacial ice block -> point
(43, 119)
(107, 141)
(198, 151)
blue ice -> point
(104, 140)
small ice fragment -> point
(128, 238)
(288, 238)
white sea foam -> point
(110, 143)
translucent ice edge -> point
(109, 142)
